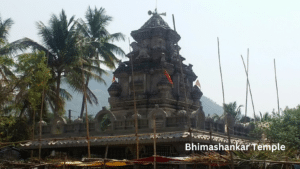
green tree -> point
(8, 80)
(35, 74)
(233, 110)
(6, 87)
(97, 44)
(59, 43)
(285, 129)
(266, 117)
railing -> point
(144, 124)
(46, 129)
(176, 121)
(130, 124)
(69, 128)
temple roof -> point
(154, 22)
(155, 26)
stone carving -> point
(158, 43)
(174, 49)
(135, 46)
(163, 57)
(58, 125)
(142, 49)
(99, 117)
(196, 93)
(160, 116)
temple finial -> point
(155, 13)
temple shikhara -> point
(160, 85)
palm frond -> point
(65, 94)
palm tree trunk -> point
(57, 105)
(82, 105)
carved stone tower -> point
(154, 51)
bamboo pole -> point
(134, 105)
(41, 116)
(276, 86)
(86, 116)
(104, 162)
(184, 89)
(246, 105)
(249, 87)
(33, 126)
(228, 133)
(40, 125)
(154, 139)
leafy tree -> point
(97, 46)
(35, 74)
(285, 129)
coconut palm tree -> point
(7, 80)
(59, 43)
(265, 117)
(98, 47)
(233, 110)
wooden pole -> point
(41, 116)
(210, 133)
(246, 105)
(228, 133)
(154, 139)
(33, 126)
(104, 162)
(276, 87)
(134, 105)
(40, 125)
(86, 115)
(249, 87)
(184, 89)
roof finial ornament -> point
(155, 13)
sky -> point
(270, 29)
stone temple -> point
(154, 51)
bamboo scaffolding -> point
(228, 132)
(276, 86)
(249, 87)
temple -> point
(179, 117)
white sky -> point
(270, 29)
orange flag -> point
(198, 84)
(114, 79)
(168, 77)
